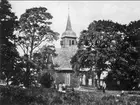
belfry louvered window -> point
(70, 42)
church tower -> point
(68, 38)
(68, 49)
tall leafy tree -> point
(98, 46)
(34, 31)
(108, 45)
(8, 52)
(127, 66)
(133, 31)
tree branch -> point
(39, 43)
(22, 48)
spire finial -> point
(68, 9)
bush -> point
(74, 81)
(134, 92)
(11, 94)
(46, 80)
(18, 96)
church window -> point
(70, 42)
(61, 42)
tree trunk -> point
(99, 74)
(31, 52)
(27, 78)
(32, 45)
(93, 79)
(27, 75)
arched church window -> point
(72, 42)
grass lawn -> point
(43, 96)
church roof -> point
(69, 32)
(64, 57)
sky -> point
(82, 13)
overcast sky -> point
(82, 13)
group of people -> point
(62, 87)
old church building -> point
(68, 49)
(64, 73)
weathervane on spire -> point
(68, 9)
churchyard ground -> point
(44, 96)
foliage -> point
(98, 46)
(75, 80)
(28, 78)
(126, 68)
(34, 29)
(9, 56)
(106, 45)
(44, 63)
(43, 57)
(133, 32)
(46, 80)
(17, 95)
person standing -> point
(60, 87)
(104, 86)
(63, 88)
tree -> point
(44, 62)
(34, 30)
(46, 80)
(43, 58)
(133, 31)
(126, 68)
(108, 45)
(8, 52)
(98, 46)
(134, 38)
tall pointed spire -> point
(68, 27)
(69, 32)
